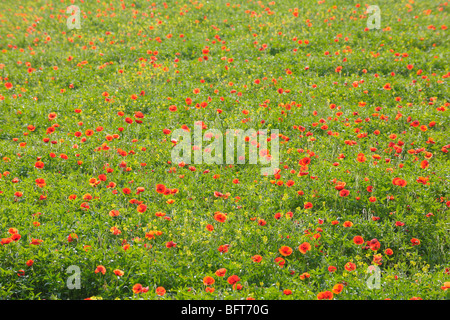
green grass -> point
(113, 38)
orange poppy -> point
(233, 279)
(338, 288)
(160, 188)
(304, 247)
(257, 258)
(358, 240)
(160, 291)
(220, 217)
(285, 251)
(207, 281)
(100, 269)
(221, 272)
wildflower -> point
(285, 251)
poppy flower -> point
(374, 245)
(348, 224)
(220, 217)
(160, 291)
(160, 188)
(16, 237)
(445, 286)
(377, 259)
(221, 272)
(171, 244)
(39, 165)
(233, 279)
(18, 194)
(350, 266)
(6, 241)
(36, 242)
(210, 289)
(118, 272)
(207, 281)
(305, 161)
(424, 164)
(326, 295)
(142, 208)
(304, 275)
(338, 288)
(262, 222)
(361, 157)
(304, 247)
(308, 205)
(257, 258)
(72, 237)
(287, 292)
(115, 231)
(114, 213)
(100, 269)
(399, 182)
(138, 288)
(223, 248)
(358, 240)
(285, 251)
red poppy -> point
(39, 165)
(207, 281)
(118, 272)
(160, 291)
(358, 240)
(304, 247)
(338, 288)
(138, 288)
(348, 224)
(221, 272)
(326, 295)
(220, 217)
(233, 279)
(257, 258)
(350, 266)
(160, 188)
(100, 269)
(374, 244)
(399, 182)
(285, 251)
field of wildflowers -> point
(94, 206)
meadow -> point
(92, 205)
